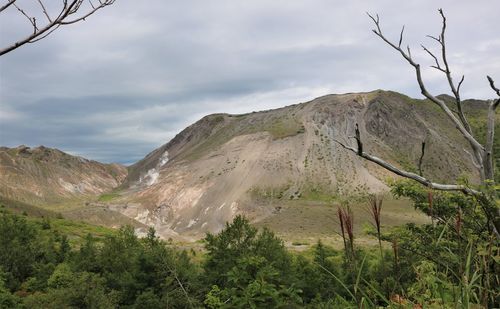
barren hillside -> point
(224, 164)
(44, 176)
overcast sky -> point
(133, 75)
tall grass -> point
(375, 203)
(430, 200)
(455, 266)
(346, 219)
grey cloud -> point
(133, 75)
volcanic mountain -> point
(252, 164)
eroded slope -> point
(228, 164)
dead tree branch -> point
(421, 159)
(461, 123)
(454, 89)
(5, 6)
(490, 137)
(32, 20)
(492, 85)
(67, 15)
(426, 182)
(482, 156)
(44, 10)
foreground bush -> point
(449, 263)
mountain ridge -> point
(43, 175)
(224, 164)
(254, 163)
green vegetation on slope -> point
(107, 197)
(307, 220)
(223, 128)
(24, 208)
(449, 263)
(53, 223)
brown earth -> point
(254, 163)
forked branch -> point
(454, 89)
(426, 182)
(492, 85)
(66, 16)
(461, 122)
(482, 156)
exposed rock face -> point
(42, 175)
(224, 164)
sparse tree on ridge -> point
(481, 155)
(69, 13)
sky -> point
(133, 75)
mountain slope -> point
(43, 176)
(228, 164)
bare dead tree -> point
(421, 159)
(482, 155)
(70, 13)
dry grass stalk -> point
(430, 199)
(346, 219)
(340, 213)
(375, 210)
(458, 223)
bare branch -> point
(94, 9)
(75, 7)
(492, 85)
(45, 35)
(434, 38)
(490, 135)
(379, 33)
(482, 155)
(461, 124)
(401, 36)
(421, 159)
(473, 159)
(454, 90)
(376, 21)
(182, 287)
(437, 66)
(5, 6)
(69, 8)
(32, 20)
(426, 182)
(44, 10)
(358, 140)
(460, 83)
(63, 10)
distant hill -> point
(43, 176)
